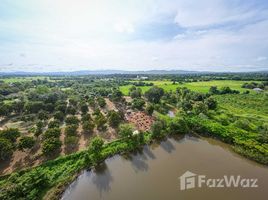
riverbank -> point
(50, 179)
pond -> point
(153, 173)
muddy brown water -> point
(154, 173)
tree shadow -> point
(147, 151)
(102, 178)
(137, 161)
(167, 146)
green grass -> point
(252, 106)
(22, 79)
(195, 86)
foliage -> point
(138, 103)
(125, 130)
(6, 148)
(26, 142)
(154, 94)
(114, 118)
(72, 120)
(51, 146)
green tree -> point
(72, 120)
(114, 118)
(52, 133)
(149, 109)
(88, 127)
(84, 108)
(101, 101)
(138, 103)
(125, 130)
(211, 103)
(200, 107)
(71, 130)
(154, 94)
(95, 148)
(6, 148)
(59, 115)
(26, 142)
(11, 134)
(51, 146)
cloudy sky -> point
(68, 35)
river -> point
(153, 173)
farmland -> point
(201, 86)
(53, 127)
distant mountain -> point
(96, 72)
(109, 72)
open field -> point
(195, 86)
(23, 79)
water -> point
(153, 173)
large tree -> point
(154, 94)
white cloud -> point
(124, 27)
(261, 58)
(75, 35)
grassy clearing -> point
(195, 86)
(23, 79)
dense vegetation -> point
(57, 111)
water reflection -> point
(138, 161)
(167, 146)
(102, 178)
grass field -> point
(22, 79)
(195, 86)
(251, 106)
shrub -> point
(72, 120)
(125, 130)
(149, 109)
(138, 103)
(51, 146)
(114, 118)
(10, 134)
(26, 142)
(71, 130)
(54, 124)
(6, 148)
(59, 115)
(88, 127)
(52, 133)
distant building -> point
(258, 89)
(142, 77)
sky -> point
(73, 35)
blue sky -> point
(68, 35)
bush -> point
(54, 124)
(88, 127)
(52, 133)
(178, 125)
(200, 107)
(138, 103)
(158, 129)
(72, 120)
(154, 94)
(6, 148)
(101, 101)
(26, 142)
(114, 118)
(71, 130)
(211, 103)
(149, 109)
(51, 146)
(59, 115)
(125, 130)
(10, 134)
